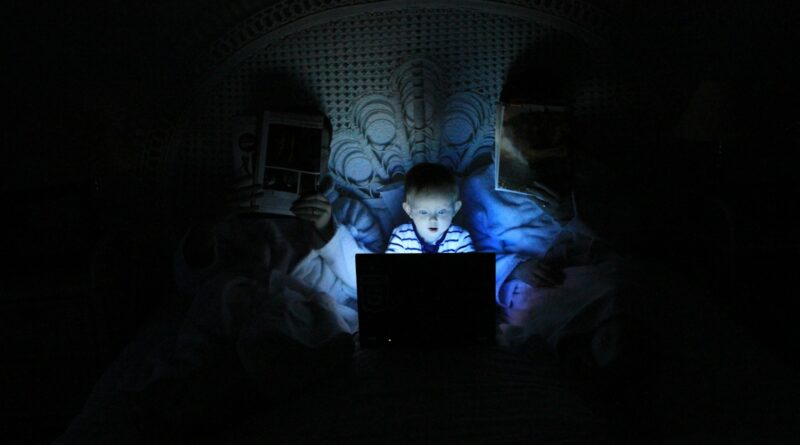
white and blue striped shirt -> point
(404, 239)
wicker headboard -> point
(400, 82)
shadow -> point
(280, 91)
(545, 72)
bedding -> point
(261, 356)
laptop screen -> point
(426, 300)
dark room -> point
(203, 201)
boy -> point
(431, 201)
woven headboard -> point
(400, 82)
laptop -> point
(426, 300)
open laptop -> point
(426, 300)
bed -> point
(705, 380)
(185, 378)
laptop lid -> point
(426, 300)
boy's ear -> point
(407, 209)
(457, 205)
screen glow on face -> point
(432, 214)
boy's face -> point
(432, 213)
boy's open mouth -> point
(433, 229)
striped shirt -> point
(404, 239)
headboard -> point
(400, 81)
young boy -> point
(431, 201)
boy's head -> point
(431, 199)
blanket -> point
(251, 324)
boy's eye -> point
(440, 212)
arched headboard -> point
(400, 81)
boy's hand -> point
(555, 205)
(317, 210)
(538, 273)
